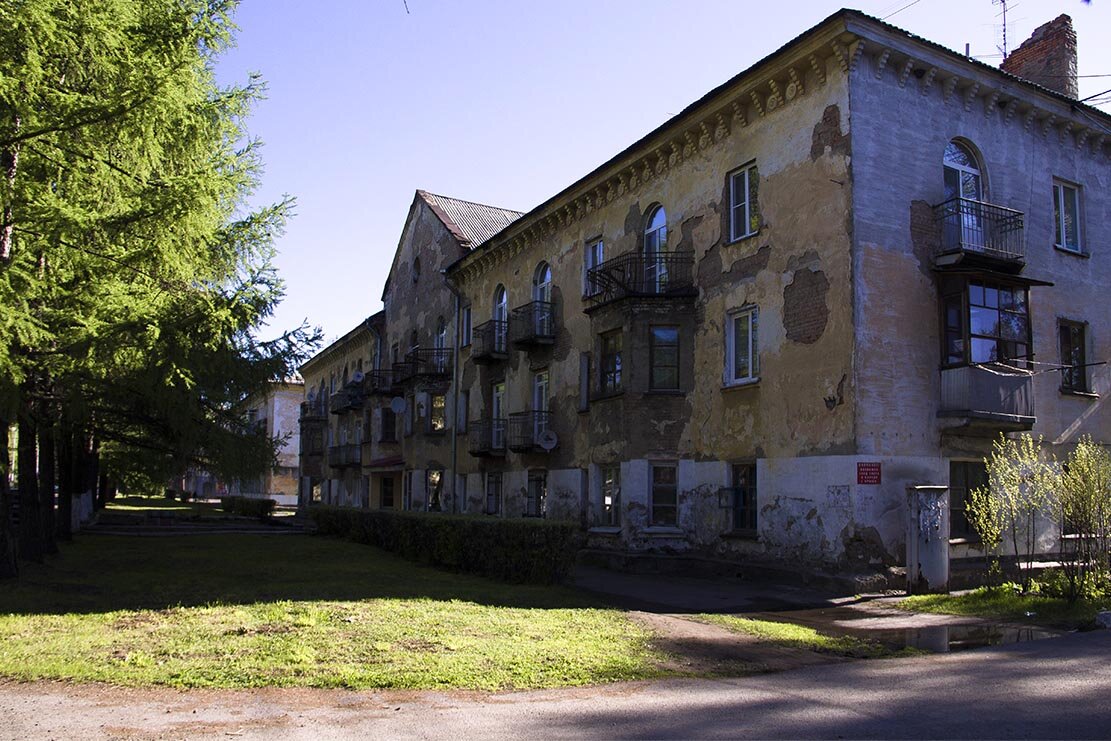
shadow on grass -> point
(103, 573)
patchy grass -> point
(1003, 603)
(250, 611)
(800, 636)
(140, 505)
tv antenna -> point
(1003, 3)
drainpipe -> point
(454, 394)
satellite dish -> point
(547, 439)
(397, 404)
(357, 377)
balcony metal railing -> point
(532, 324)
(525, 429)
(403, 371)
(979, 229)
(973, 391)
(340, 456)
(433, 363)
(638, 274)
(313, 413)
(379, 382)
(490, 340)
(486, 437)
(312, 443)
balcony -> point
(532, 325)
(348, 398)
(490, 342)
(312, 414)
(525, 429)
(987, 399)
(312, 443)
(343, 456)
(640, 275)
(379, 382)
(486, 437)
(435, 364)
(973, 231)
(403, 371)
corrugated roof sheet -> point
(472, 223)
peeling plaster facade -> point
(843, 133)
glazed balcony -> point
(525, 429)
(640, 275)
(312, 443)
(978, 232)
(490, 342)
(486, 437)
(987, 398)
(343, 456)
(532, 325)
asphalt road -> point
(1054, 688)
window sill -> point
(1081, 254)
(741, 384)
(606, 530)
(740, 535)
(744, 237)
(662, 531)
(1081, 394)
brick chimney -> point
(1048, 57)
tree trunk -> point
(47, 475)
(9, 565)
(30, 517)
(102, 491)
(9, 159)
(67, 479)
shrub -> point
(533, 551)
(248, 506)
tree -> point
(1082, 513)
(132, 283)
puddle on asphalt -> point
(949, 638)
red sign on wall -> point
(868, 474)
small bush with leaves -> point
(533, 551)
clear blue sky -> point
(507, 102)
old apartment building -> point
(840, 273)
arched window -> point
(542, 283)
(414, 341)
(655, 247)
(963, 177)
(500, 316)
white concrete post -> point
(927, 539)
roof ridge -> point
(424, 192)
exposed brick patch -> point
(925, 237)
(805, 312)
(634, 221)
(709, 268)
(1048, 57)
(827, 133)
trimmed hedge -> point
(248, 506)
(533, 551)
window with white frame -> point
(1066, 217)
(744, 209)
(593, 256)
(742, 358)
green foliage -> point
(1011, 603)
(248, 506)
(801, 636)
(1083, 511)
(531, 551)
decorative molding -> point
(948, 88)
(1048, 123)
(928, 81)
(857, 52)
(757, 102)
(1010, 110)
(775, 100)
(1028, 121)
(819, 69)
(841, 53)
(881, 63)
(970, 95)
(989, 105)
(905, 72)
(739, 113)
(795, 87)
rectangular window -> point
(664, 358)
(493, 493)
(665, 496)
(395, 353)
(611, 496)
(611, 362)
(437, 419)
(744, 497)
(389, 426)
(386, 490)
(964, 476)
(999, 327)
(593, 256)
(1074, 376)
(465, 326)
(1066, 217)
(744, 210)
(434, 489)
(742, 358)
(537, 492)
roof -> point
(363, 326)
(471, 223)
(842, 16)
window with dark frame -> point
(434, 489)
(386, 491)
(986, 322)
(465, 326)
(1071, 340)
(744, 497)
(964, 476)
(665, 496)
(407, 490)
(663, 358)
(744, 210)
(593, 255)
(536, 493)
(611, 362)
(611, 496)
(493, 492)
(389, 426)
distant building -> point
(276, 413)
(842, 272)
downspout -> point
(454, 393)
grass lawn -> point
(1006, 604)
(799, 636)
(292, 610)
(138, 505)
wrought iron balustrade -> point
(486, 437)
(490, 342)
(641, 274)
(432, 363)
(978, 229)
(340, 456)
(525, 429)
(532, 324)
